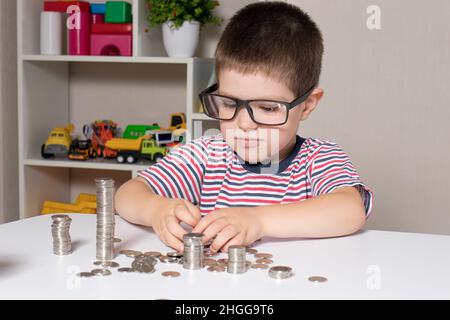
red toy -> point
(97, 19)
(61, 6)
(112, 28)
(100, 132)
(111, 45)
(79, 39)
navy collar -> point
(283, 165)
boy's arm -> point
(338, 213)
(137, 203)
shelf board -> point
(99, 164)
(201, 116)
(68, 58)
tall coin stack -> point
(62, 243)
(193, 251)
(237, 259)
(105, 219)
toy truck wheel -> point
(44, 154)
(158, 157)
(120, 159)
(131, 159)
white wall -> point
(9, 202)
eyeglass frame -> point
(245, 103)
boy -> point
(257, 178)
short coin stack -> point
(193, 251)
(144, 264)
(62, 243)
(105, 219)
(237, 262)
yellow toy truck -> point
(58, 142)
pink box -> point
(111, 45)
(79, 39)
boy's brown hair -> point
(275, 38)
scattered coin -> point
(222, 260)
(133, 254)
(317, 279)
(265, 261)
(85, 274)
(280, 272)
(216, 269)
(117, 240)
(155, 254)
(170, 274)
(263, 255)
(126, 269)
(101, 272)
(106, 264)
(260, 266)
(167, 259)
(251, 251)
(177, 255)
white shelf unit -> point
(56, 90)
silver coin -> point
(317, 279)
(263, 255)
(175, 254)
(170, 274)
(101, 272)
(280, 272)
(133, 254)
(107, 264)
(166, 259)
(209, 253)
(85, 274)
(260, 266)
(126, 269)
(216, 269)
(154, 254)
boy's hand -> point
(233, 226)
(167, 223)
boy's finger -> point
(205, 222)
(194, 210)
(174, 227)
(223, 237)
(183, 214)
(173, 241)
(238, 240)
(213, 229)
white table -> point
(368, 265)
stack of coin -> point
(237, 259)
(62, 244)
(280, 272)
(105, 219)
(193, 251)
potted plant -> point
(181, 21)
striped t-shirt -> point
(208, 173)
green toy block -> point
(118, 12)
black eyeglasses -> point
(264, 112)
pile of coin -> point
(62, 243)
(144, 264)
(193, 251)
(237, 262)
(105, 219)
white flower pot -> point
(181, 42)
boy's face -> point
(255, 142)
